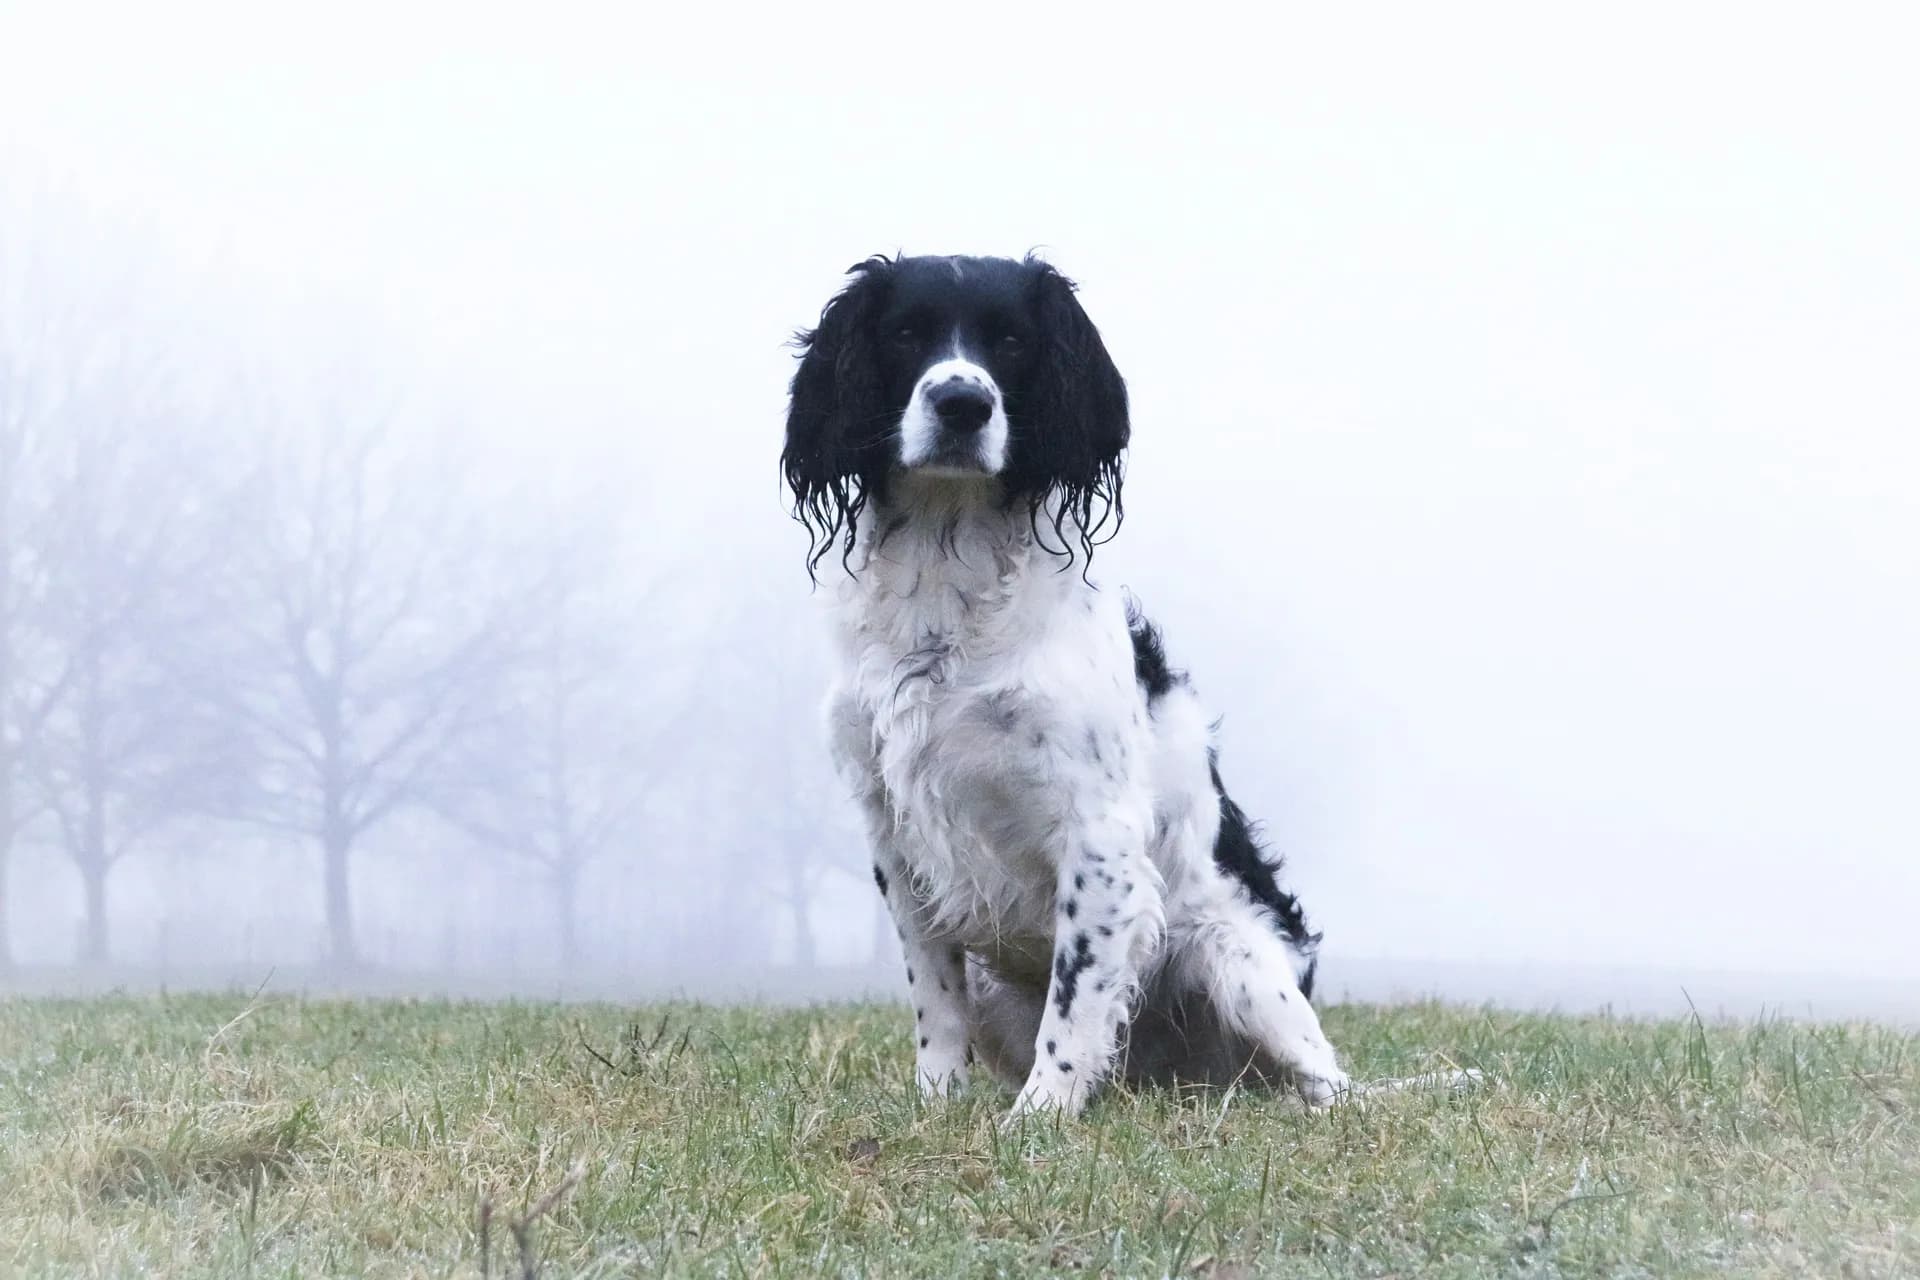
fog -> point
(1526, 445)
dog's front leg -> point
(936, 967)
(936, 981)
(1107, 921)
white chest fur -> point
(987, 701)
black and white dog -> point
(1075, 893)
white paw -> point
(1324, 1090)
(1042, 1098)
(1317, 1072)
(941, 1080)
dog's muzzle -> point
(955, 422)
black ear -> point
(838, 434)
(1075, 424)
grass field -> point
(210, 1136)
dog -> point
(1077, 897)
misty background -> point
(396, 590)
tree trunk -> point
(8, 758)
(93, 881)
(566, 890)
(336, 836)
(805, 954)
(6, 854)
(335, 845)
(6, 932)
(93, 860)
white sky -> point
(1526, 414)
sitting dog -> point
(1075, 893)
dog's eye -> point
(907, 336)
(1011, 344)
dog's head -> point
(956, 369)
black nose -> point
(961, 405)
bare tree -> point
(122, 751)
(62, 317)
(800, 838)
(594, 720)
(556, 778)
(30, 684)
(769, 727)
(366, 630)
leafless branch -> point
(522, 1236)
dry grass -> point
(193, 1153)
(210, 1136)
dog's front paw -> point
(941, 1081)
(1317, 1073)
(934, 1088)
(1043, 1097)
(1324, 1090)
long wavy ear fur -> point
(838, 433)
(1072, 432)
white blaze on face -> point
(930, 444)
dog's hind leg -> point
(1238, 960)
